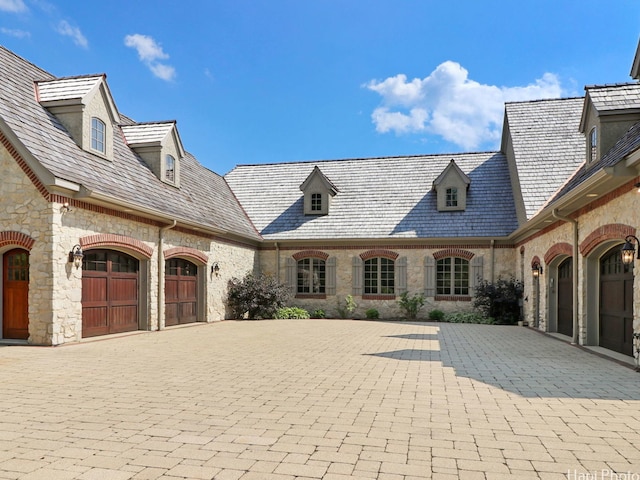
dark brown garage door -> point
(565, 297)
(616, 303)
(109, 293)
(15, 294)
(180, 290)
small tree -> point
(257, 296)
(500, 300)
(411, 305)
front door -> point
(565, 297)
(616, 303)
(15, 294)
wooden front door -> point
(616, 303)
(565, 297)
(109, 293)
(15, 294)
(181, 291)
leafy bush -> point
(347, 307)
(500, 300)
(411, 305)
(468, 317)
(436, 315)
(257, 296)
(292, 313)
(372, 313)
(319, 313)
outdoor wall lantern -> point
(628, 250)
(76, 255)
(215, 268)
(536, 269)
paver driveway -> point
(332, 399)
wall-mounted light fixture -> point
(76, 256)
(536, 269)
(65, 208)
(215, 268)
(628, 250)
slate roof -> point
(144, 133)
(66, 88)
(204, 197)
(547, 144)
(608, 98)
(378, 198)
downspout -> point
(555, 213)
(277, 261)
(493, 260)
(161, 324)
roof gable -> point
(451, 169)
(152, 134)
(317, 175)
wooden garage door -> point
(616, 303)
(181, 291)
(15, 294)
(109, 293)
(565, 297)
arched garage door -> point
(616, 303)
(565, 297)
(180, 291)
(109, 293)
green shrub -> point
(346, 307)
(372, 313)
(257, 296)
(292, 313)
(319, 313)
(411, 305)
(436, 315)
(500, 300)
(468, 317)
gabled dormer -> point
(85, 107)
(159, 146)
(318, 192)
(451, 188)
(608, 112)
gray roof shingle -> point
(204, 197)
(378, 198)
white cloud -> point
(64, 28)
(15, 32)
(13, 6)
(447, 103)
(149, 52)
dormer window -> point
(170, 169)
(98, 130)
(593, 145)
(316, 202)
(452, 197)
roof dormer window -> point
(170, 169)
(452, 197)
(98, 135)
(451, 188)
(593, 145)
(318, 191)
(316, 202)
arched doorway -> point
(616, 303)
(565, 297)
(181, 292)
(110, 282)
(15, 294)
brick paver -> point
(330, 399)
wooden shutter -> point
(356, 272)
(291, 276)
(331, 276)
(401, 275)
(429, 277)
(477, 274)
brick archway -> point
(612, 231)
(562, 248)
(186, 252)
(453, 252)
(16, 238)
(107, 240)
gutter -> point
(557, 215)
(161, 319)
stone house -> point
(110, 225)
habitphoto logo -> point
(604, 474)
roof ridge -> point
(75, 77)
(158, 122)
(540, 100)
(613, 85)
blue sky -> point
(257, 81)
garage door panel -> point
(94, 289)
(123, 318)
(123, 289)
(171, 314)
(95, 321)
(171, 288)
(188, 312)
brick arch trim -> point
(113, 240)
(186, 252)
(453, 252)
(16, 238)
(561, 248)
(535, 261)
(611, 231)
(311, 254)
(379, 253)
